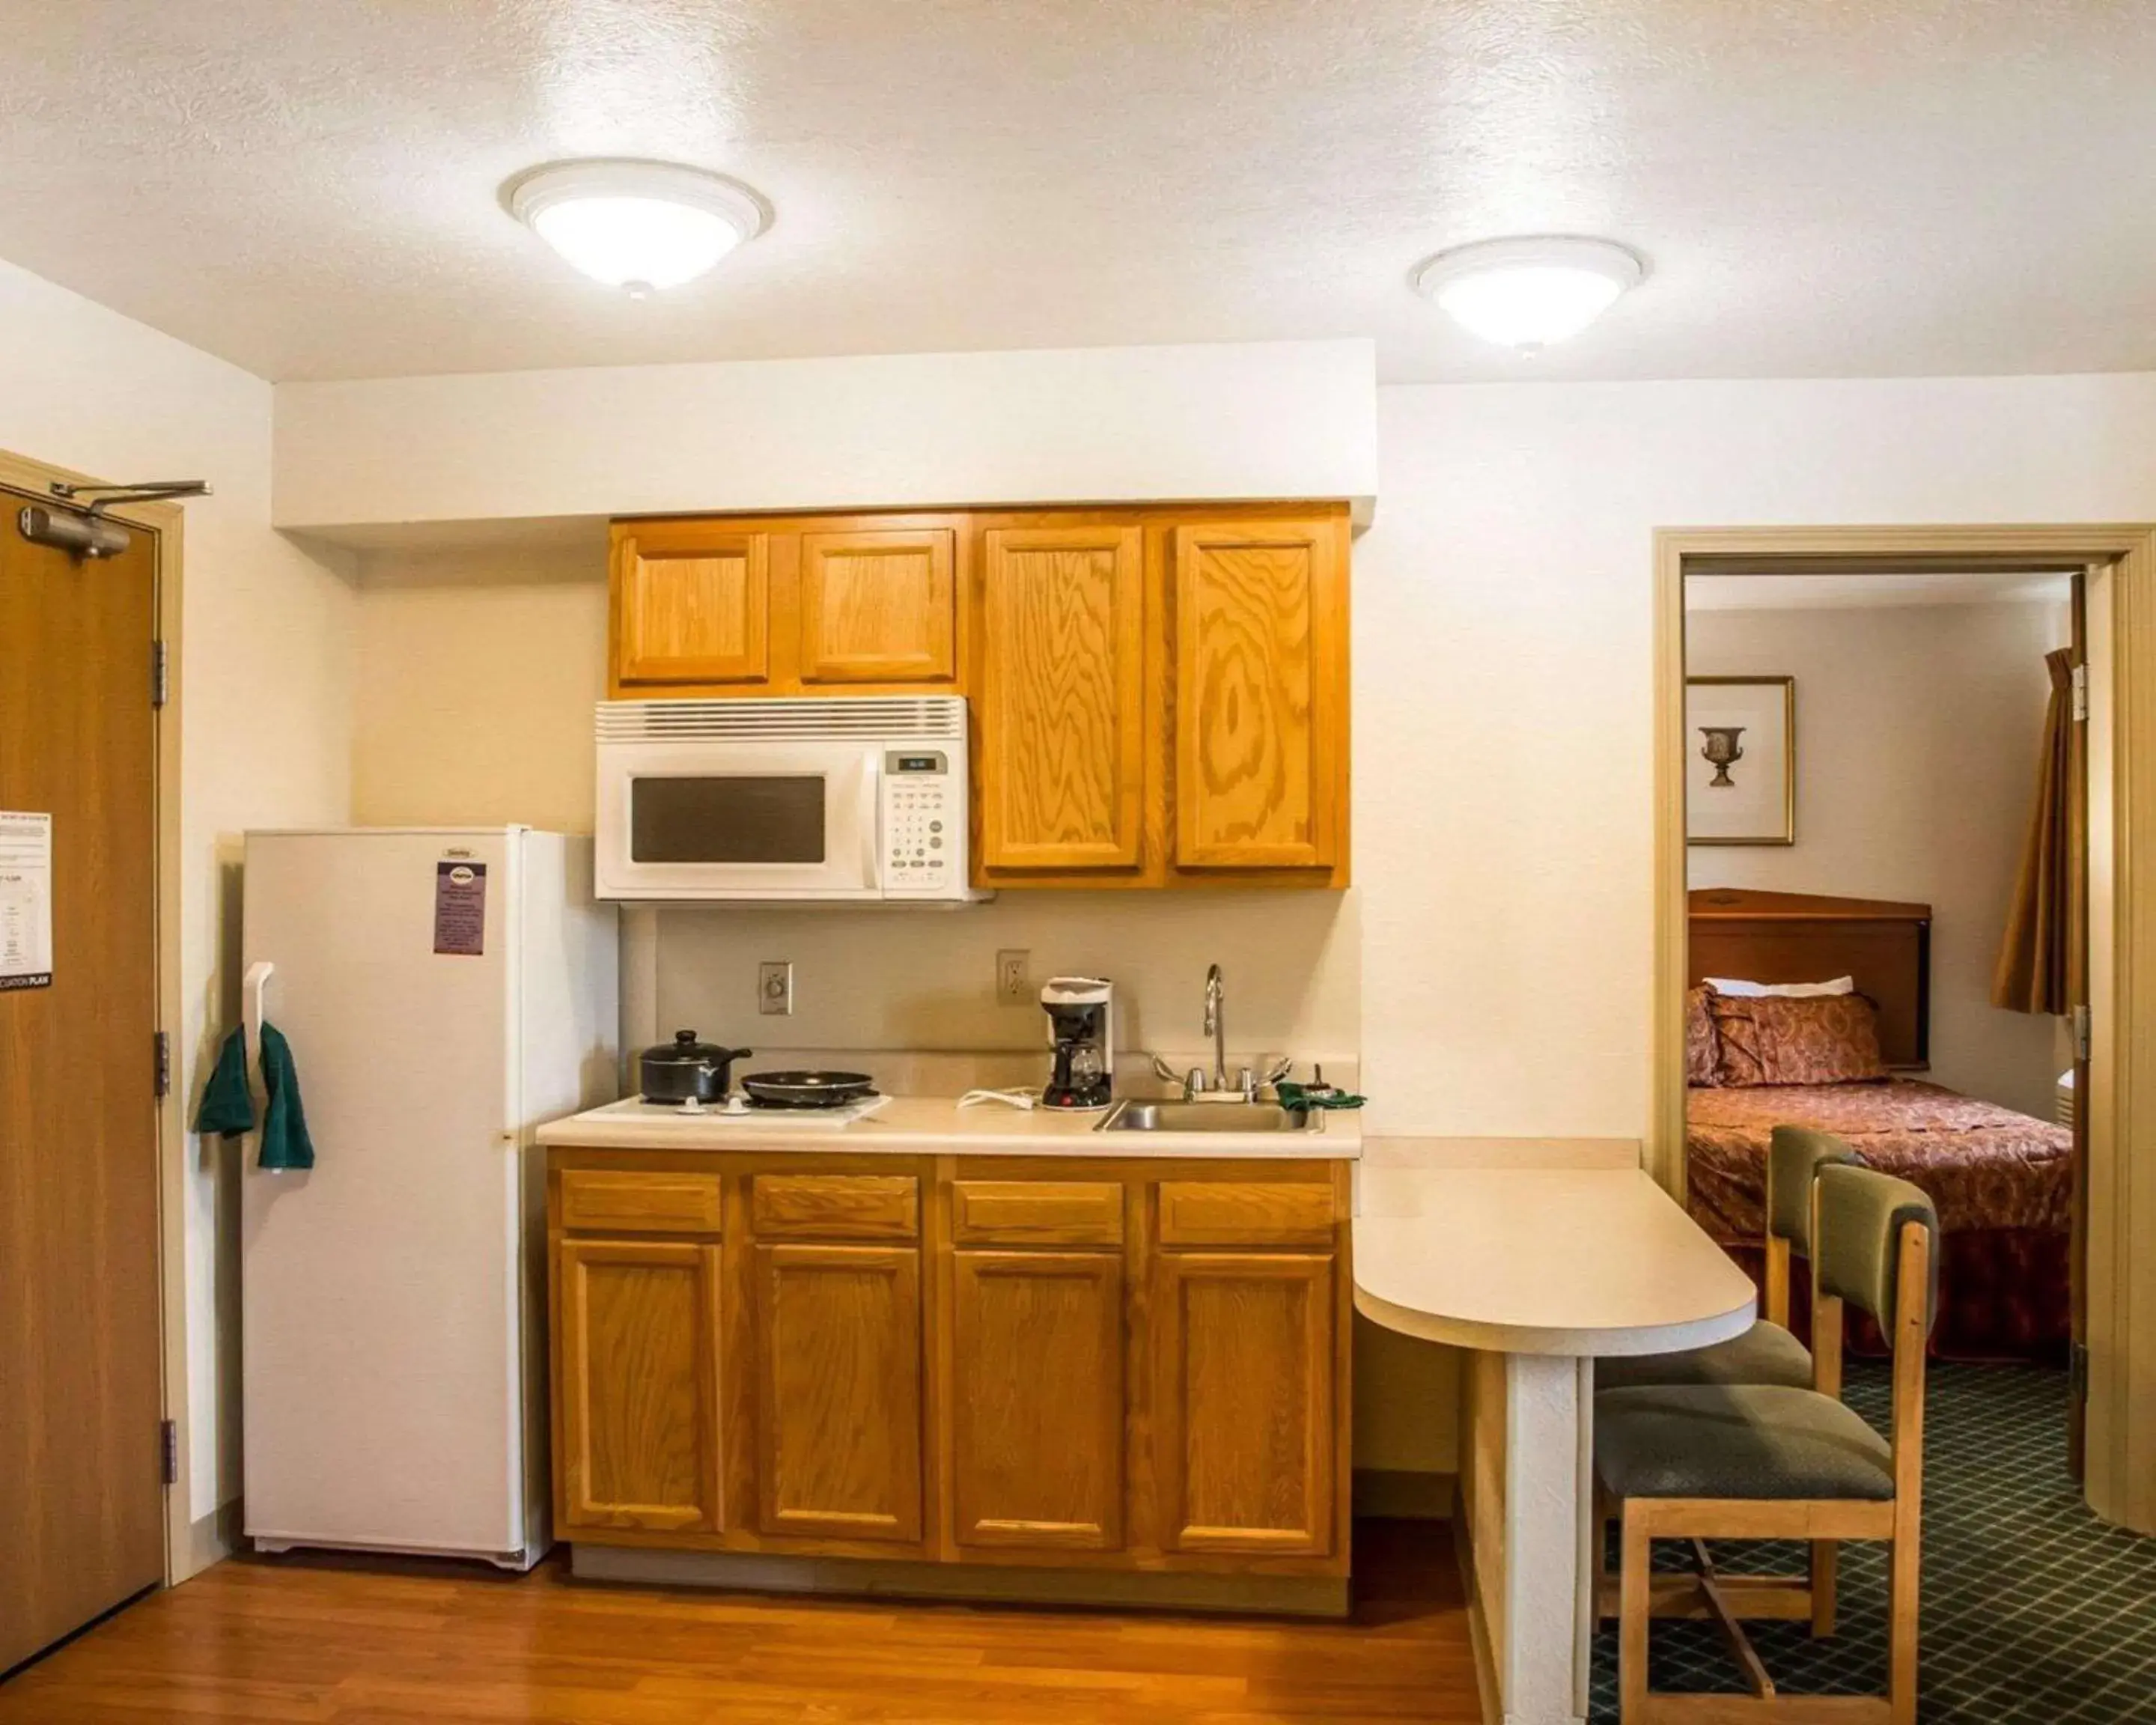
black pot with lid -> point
(687, 1070)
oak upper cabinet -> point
(691, 607)
(788, 605)
(878, 606)
(1064, 740)
(637, 1384)
(1244, 1410)
(1161, 697)
(1260, 694)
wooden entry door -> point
(81, 1492)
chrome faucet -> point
(1246, 1084)
(1214, 1029)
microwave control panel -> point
(924, 822)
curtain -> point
(2039, 964)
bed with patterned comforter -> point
(2003, 1183)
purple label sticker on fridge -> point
(460, 908)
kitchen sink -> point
(1210, 1117)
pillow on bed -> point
(1775, 1039)
(1793, 991)
(1702, 1047)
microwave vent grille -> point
(798, 719)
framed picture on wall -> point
(1741, 760)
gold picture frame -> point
(1741, 737)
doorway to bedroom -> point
(1911, 804)
(1885, 925)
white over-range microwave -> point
(856, 799)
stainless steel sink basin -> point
(1209, 1117)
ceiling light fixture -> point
(1526, 294)
(640, 226)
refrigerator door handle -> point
(253, 1000)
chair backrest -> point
(1794, 1155)
(1861, 1215)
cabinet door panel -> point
(1037, 1386)
(839, 1392)
(694, 608)
(1259, 696)
(879, 607)
(1063, 772)
(640, 1384)
(1245, 1402)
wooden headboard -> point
(1800, 937)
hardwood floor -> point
(331, 1642)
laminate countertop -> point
(1551, 1260)
(936, 1125)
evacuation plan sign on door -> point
(26, 901)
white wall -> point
(265, 674)
(1918, 730)
(477, 676)
(1503, 664)
(1226, 420)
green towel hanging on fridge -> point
(285, 1141)
(226, 1109)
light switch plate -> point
(774, 988)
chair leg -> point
(1902, 1630)
(1825, 1565)
(1632, 1618)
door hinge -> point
(168, 1451)
(160, 675)
(161, 1056)
(2077, 1371)
(2079, 685)
(2079, 1021)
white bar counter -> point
(1541, 1259)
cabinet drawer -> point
(1037, 1213)
(640, 1203)
(1201, 1213)
(836, 1206)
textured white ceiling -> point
(1823, 186)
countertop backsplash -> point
(875, 986)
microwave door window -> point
(739, 818)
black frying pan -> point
(808, 1089)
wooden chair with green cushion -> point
(1766, 1461)
(1767, 1353)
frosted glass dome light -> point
(639, 226)
(1525, 294)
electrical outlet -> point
(774, 987)
(1013, 969)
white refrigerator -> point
(445, 992)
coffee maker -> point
(1081, 1031)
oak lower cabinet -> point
(1245, 1402)
(838, 1409)
(1122, 1379)
(1039, 1399)
(636, 1383)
